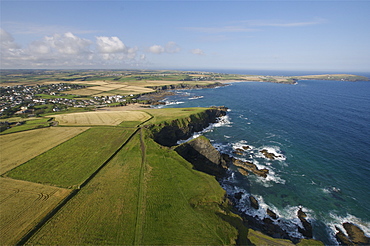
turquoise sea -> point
(320, 130)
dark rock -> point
(254, 202)
(203, 156)
(306, 231)
(272, 214)
(342, 238)
(301, 214)
(273, 230)
(249, 167)
(355, 234)
(246, 147)
(269, 155)
(238, 151)
(238, 195)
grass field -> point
(17, 148)
(181, 205)
(112, 118)
(145, 195)
(171, 113)
(22, 205)
(31, 123)
(72, 162)
(104, 211)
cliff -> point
(185, 86)
(168, 133)
(203, 156)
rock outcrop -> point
(271, 213)
(269, 155)
(246, 167)
(306, 231)
(169, 132)
(356, 236)
(203, 156)
(254, 202)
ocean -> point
(321, 132)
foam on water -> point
(273, 150)
(221, 121)
(287, 217)
(337, 221)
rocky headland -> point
(204, 157)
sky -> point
(250, 35)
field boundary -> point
(140, 201)
(74, 192)
(4, 175)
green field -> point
(104, 211)
(31, 144)
(169, 114)
(29, 124)
(146, 194)
(72, 162)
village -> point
(30, 101)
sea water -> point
(321, 132)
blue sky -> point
(266, 35)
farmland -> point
(105, 210)
(31, 144)
(130, 190)
(101, 117)
(72, 162)
(23, 205)
(146, 195)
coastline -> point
(314, 218)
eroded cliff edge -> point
(168, 133)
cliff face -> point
(203, 156)
(168, 133)
(185, 86)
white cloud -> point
(66, 50)
(171, 47)
(197, 52)
(67, 43)
(110, 45)
(156, 49)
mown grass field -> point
(72, 162)
(146, 194)
(22, 205)
(111, 118)
(20, 147)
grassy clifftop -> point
(168, 130)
